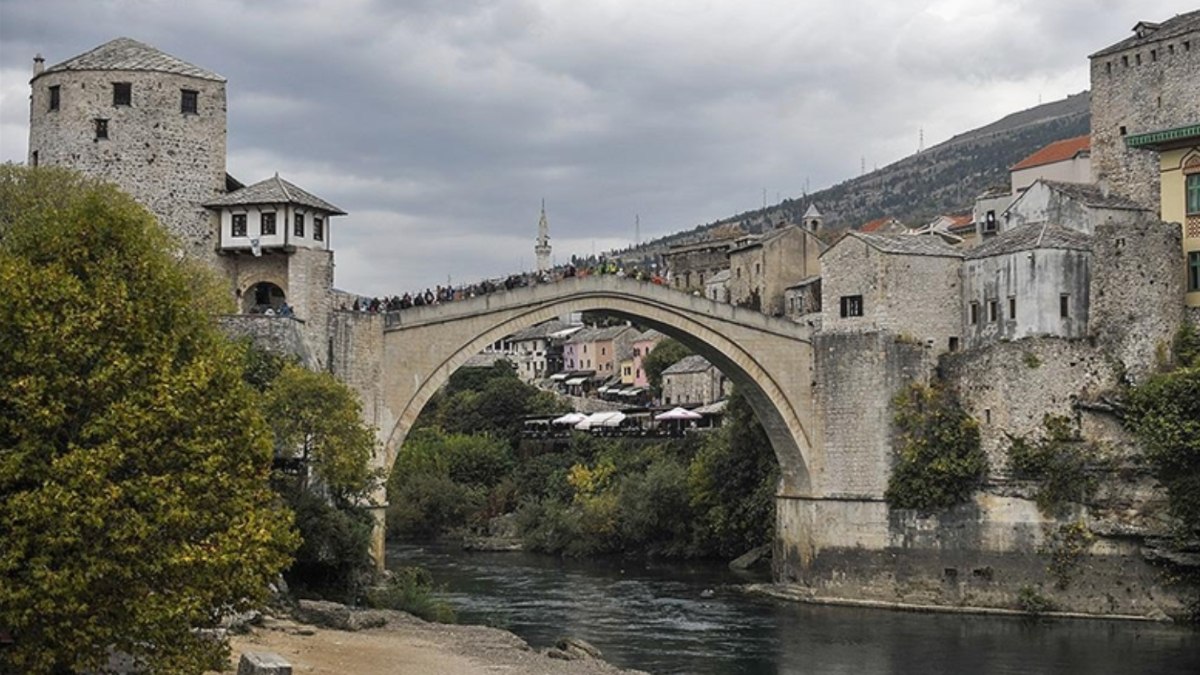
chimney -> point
(39, 64)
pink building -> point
(642, 344)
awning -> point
(559, 376)
(633, 391)
(678, 414)
(570, 419)
(601, 419)
(602, 390)
(576, 381)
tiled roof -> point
(127, 54)
(542, 330)
(689, 364)
(597, 334)
(1033, 236)
(274, 191)
(907, 244)
(1057, 151)
(1092, 195)
(719, 277)
(804, 282)
(1176, 26)
(650, 334)
(877, 224)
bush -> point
(333, 560)
(1060, 461)
(410, 589)
(426, 505)
(940, 461)
(1164, 413)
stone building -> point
(1031, 280)
(1146, 83)
(596, 349)
(155, 126)
(1179, 178)
(802, 298)
(152, 124)
(904, 284)
(693, 381)
(761, 270)
(1073, 205)
(690, 266)
(533, 350)
(1065, 161)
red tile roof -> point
(959, 220)
(1057, 151)
(874, 225)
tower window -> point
(189, 101)
(318, 228)
(974, 313)
(122, 93)
(34, 158)
(299, 229)
(54, 97)
(993, 310)
(852, 305)
(266, 224)
(101, 128)
(1012, 307)
(1193, 271)
(1064, 306)
(239, 225)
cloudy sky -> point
(440, 125)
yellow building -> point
(1179, 171)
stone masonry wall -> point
(1143, 89)
(1137, 292)
(169, 161)
(276, 334)
(856, 377)
(916, 296)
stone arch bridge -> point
(397, 361)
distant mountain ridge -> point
(943, 179)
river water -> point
(671, 617)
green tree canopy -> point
(319, 418)
(665, 354)
(134, 500)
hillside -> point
(946, 178)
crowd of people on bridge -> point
(443, 294)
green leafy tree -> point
(665, 354)
(1165, 414)
(319, 419)
(134, 500)
(940, 461)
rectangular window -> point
(974, 313)
(993, 310)
(1193, 271)
(299, 229)
(318, 228)
(852, 305)
(35, 158)
(55, 101)
(122, 93)
(1064, 306)
(266, 224)
(1012, 307)
(189, 101)
(1193, 194)
(239, 225)
(101, 128)
(953, 344)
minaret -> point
(542, 247)
(813, 218)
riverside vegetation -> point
(138, 499)
(704, 495)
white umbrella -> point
(571, 418)
(601, 419)
(678, 414)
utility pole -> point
(637, 230)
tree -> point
(665, 354)
(134, 500)
(320, 418)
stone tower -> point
(152, 124)
(542, 248)
(813, 218)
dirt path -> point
(406, 645)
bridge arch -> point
(769, 359)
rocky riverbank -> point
(380, 642)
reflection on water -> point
(658, 617)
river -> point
(661, 617)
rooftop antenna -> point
(921, 141)
(862, 164)
(764, 199)
(637, 229)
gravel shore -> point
(406, 644)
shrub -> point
(1060, 461)
(334, 557)
(1066, 546)
(940, 462)
(410, 589)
